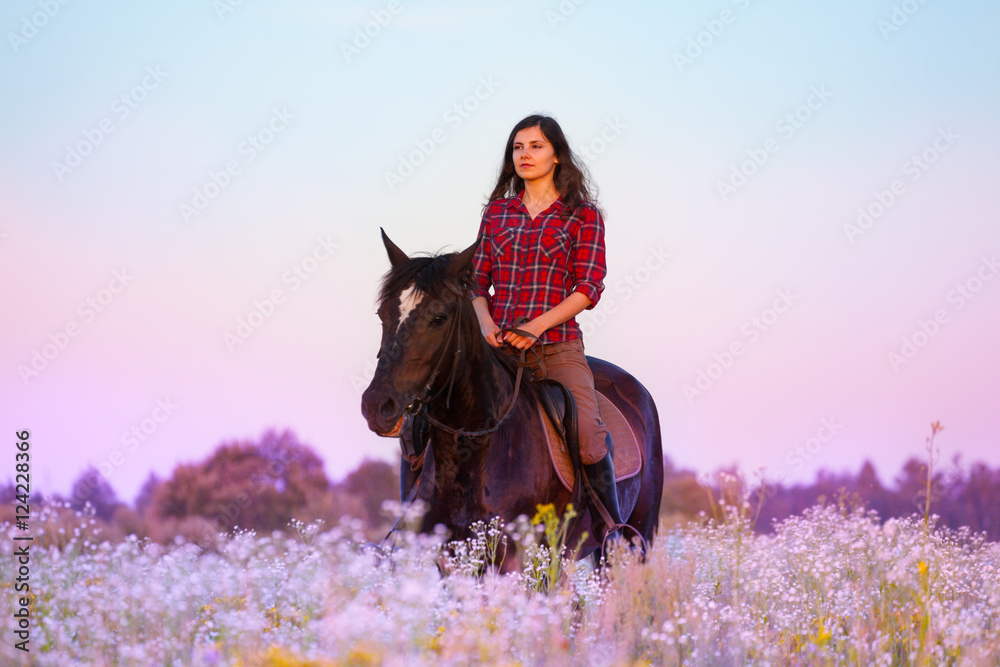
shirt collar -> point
(517, 202)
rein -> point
(419, 406)
(461, 432)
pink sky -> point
(731, 186)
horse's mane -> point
(427, 273)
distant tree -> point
(126, 521)
(871, 492)
(92, 487)
(144, 500)
(373, 482)
(257, 485)
(976, 501)
(777, 502)
(911, 489)
(684, 497)
(851, 492)
(7, 493)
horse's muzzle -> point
(396, 430)
(383, 414)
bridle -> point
(420, 404)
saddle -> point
(557, 411)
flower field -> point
(829, 587)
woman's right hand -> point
(491, 332)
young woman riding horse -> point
(542, 251)
(470, 430)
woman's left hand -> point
(524, 342)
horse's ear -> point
(396, 256)
(458, 268)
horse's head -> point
(425, 311)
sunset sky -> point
(801, 210)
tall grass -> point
(832, 586)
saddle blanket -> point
(627, 455)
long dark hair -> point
(571, 179)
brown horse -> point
(434, 359)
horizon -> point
(704, 477)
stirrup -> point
(618, 528)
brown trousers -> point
(566, 363)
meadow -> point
(833, 586)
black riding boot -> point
(601, 476)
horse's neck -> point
(474, 476)
(481, 392)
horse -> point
(486, 454)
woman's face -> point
(533, 155)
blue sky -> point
(202, 85)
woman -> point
(542, 252)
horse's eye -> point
(438, 320)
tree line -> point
(959, 495)
(265, 484)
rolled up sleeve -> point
(589, 260)
(482, 263)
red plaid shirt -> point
(533, 265)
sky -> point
(802, 220)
